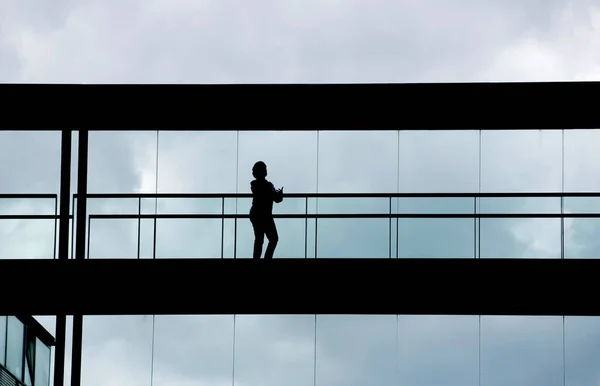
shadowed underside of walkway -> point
(303, 286)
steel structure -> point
(473, 286)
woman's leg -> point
(259, 237)
(271, 232)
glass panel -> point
(291, 158)
(146, 241)
(521, 351)
(517, 205)
(29, 357)
(113, 206)
(436, 205)
(438, 350)
(122, 161)
(117, 350)
(520, 238)
(358, 161)
(113, 238)
(582, 205)
(435, 238)
(366, 205)
(2, 340)
(42, 364)
(274, 350)
(45, 358)
(27, 206)
(193, 238)
(27, 239)
(188, 206)
(582, 350)
(582, 160)
(34, 159)
(581, 238)
(192, 350)
(356, 350)
(197, 162)
(353, 238)
(439, 161)
(521, 161)
(292, 235)
(15, 340)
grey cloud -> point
(310, 42)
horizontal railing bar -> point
(26, 195)
(31, 217)
(345, 195)
(349, 215)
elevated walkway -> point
(305, 286)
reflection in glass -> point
(274, 350)
(353, 238)
(356, 350)
(358, 161)
(581, 238)
(33, 158)
(439, 161)
(116, 350)
(42, 364)
(192, 350)
(521, 161)
(38, 233)
(438, 350)
(29, 357)
(113, 238)
(196, 161)
(14, 346)
(2, 340)
(188, 238)
(520, 238)
(121, 161)
(581, 160)
(582, 350)
(436, 238)
(521, 351)
(518, 205)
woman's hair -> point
(259, 170)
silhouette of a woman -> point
(261, 212)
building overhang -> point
(404, 106)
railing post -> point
(306, 228)
(475, 219)
(390, 231)
(139, 226)
(222, 226)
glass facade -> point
(521, 162)
(417, 195)
(304, 350)
(24, 357)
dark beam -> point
(63, 249)
(464, 106)
(80, 242)
(307, 286)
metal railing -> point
(54, 216)
(393, 212)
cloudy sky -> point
(164, 41)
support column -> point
(63, 249)
(82, 174)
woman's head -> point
(259, 170)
